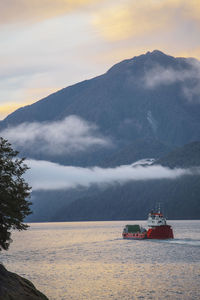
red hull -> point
(135, 236)
(160, 232)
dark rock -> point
(15, 287)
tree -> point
(13, 193)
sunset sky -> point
(47, 45)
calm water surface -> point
(90, 260)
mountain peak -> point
(155, 52)
(136, 62)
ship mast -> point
(159, 207)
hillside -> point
(139, 149)
(179, 200)
(180, 197)
(182, 157)
(144, 107)
(151, 96)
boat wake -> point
(189, 242)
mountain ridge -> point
(179, 197)
(131, 200)
(146, 106)
(126, 103)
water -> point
(90, 260)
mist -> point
(70, 135)
(159, 75)
(45, 175)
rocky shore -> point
(15, 287)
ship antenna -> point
(159, 207)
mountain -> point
(182, 157)
(151, 96)
(144, 107)
(180, 198)
(139, 149)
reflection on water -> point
(90, 260)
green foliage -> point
(13, 193)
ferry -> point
(157, 228)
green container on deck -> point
(133, 228)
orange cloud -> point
(31, 95)
(8, 108)
(12, 11)
(191, 10)
(194, 52)
(38, 93)
(139, 18)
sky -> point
(48, 45)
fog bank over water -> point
(45, 175)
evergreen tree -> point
(13, 193)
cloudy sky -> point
(47, 45)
